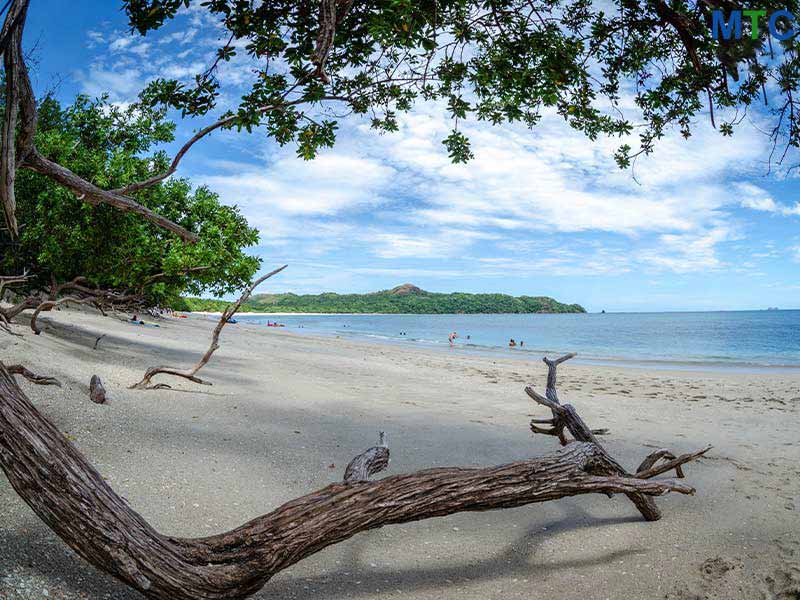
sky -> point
(701, 224)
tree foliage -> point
(490, 60)
(62, 237)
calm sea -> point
(686, 339)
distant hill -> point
(406, 298)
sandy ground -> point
(287, 412)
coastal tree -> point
(62, 239)
(496, 61)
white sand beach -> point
(286, 413)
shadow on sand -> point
(37, 553)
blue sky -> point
(542, 212)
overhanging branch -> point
(17, 136)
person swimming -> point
(452, 337)
(512, 343)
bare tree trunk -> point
(65, 491)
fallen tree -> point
(79, 291)
(71, 497)
(191, 374)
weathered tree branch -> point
(368, 463)
(566, 417)
(79, 505)
(45, 300)
(48, 305)
(31, 376)
(15, 309)
(191, 374)
(94, 195)
(648, 469)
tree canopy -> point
(491, 60)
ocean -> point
(736, 339)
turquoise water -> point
(746, 338)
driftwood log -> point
(191, 374)
(97, 393)
(31, 376)
(68, 494)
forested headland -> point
(404, 299)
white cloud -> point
(327, 185)
(398, 197)
(121, 84)
(684, 253)
(434, 244)
(757, 198)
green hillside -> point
(405, 298)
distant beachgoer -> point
(452, 337)
(469, 337)
(512, 343)
(521, 343)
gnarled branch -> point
(31, 376)
(48, 305)
(566, 417)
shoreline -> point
(526, 354)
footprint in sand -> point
(784, 583)
(714, 568)
(712, 571)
